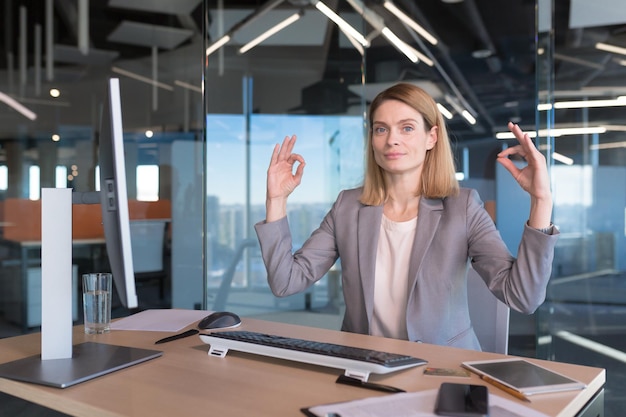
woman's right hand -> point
(281, 178)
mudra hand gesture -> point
(533, 178)
(281, 178)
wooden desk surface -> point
(185, 381)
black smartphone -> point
(462, 400)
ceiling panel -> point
(142, 34)
(157, 6)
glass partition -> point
(53, 82)
(580, 100)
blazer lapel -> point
(427, 222)
(369, 221)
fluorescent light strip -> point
(217, 44)
(593, 346)
(188, 86)
(14, 104)
(457, 107)
(446, 113)
(141, 78)
(410, 52)
(580, 104)
(556, 132)
(410, 22)
(272, 31)
(353, 41)
(402, 47)
(345, 26)
(620, 101)
(610, 48)
(611, 145)
(468, 117)
(562, 158)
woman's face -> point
(400, 138)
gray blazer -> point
(451, 232)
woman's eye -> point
(408, 129)
(379, 130)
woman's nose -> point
(392, 138)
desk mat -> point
(89, 360)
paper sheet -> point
(415, 404)
(160, 320)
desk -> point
(185, 381)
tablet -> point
(523, 376)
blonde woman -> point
(406, 238)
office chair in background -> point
(148, 245)
(490, 317)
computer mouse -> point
(220, 320)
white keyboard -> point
(357, 362)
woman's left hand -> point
(533, 177)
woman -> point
(406, 237)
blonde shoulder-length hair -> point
(438, 175)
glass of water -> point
(97, 302)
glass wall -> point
(582, 87)
(53, 83)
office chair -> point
(148, 245)
(490, 317)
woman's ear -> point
(431, 138)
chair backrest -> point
(490, 317)
(147, 239)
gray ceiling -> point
(499, 88)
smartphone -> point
(462, 400)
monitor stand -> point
(89, 360)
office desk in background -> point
(21, 298)
(185, 381)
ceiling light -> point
(405, 48)
(14, 104)
(272, 31)
(471, 119)
(188, 86)
(345, 26)
(446, 113)
(217, 44)
(620, 101)
(459, 109)
(141, 78)
(543, 133)
(610, 145)
(610, 48)
(54, 92)
(56, 138)
(409, 22)
(562, 158)
(482, 53)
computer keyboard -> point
(357, 362)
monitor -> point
(114, 197)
